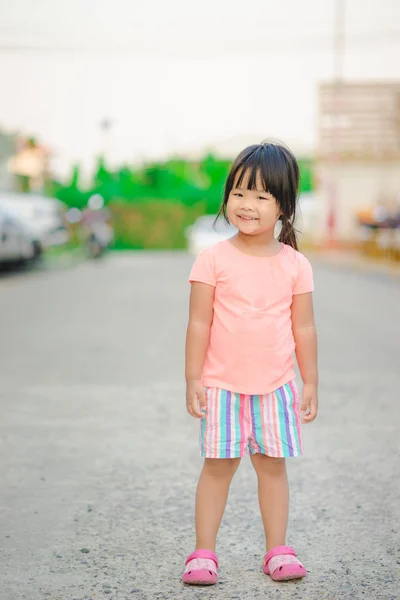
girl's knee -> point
(221, 467)
(268, 465)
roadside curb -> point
(355, 262)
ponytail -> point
(288, 234)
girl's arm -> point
(197, 338)
(305, 337)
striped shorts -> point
(238, 424)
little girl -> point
(250, 309)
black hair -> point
(280, 176)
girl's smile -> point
(247, 218)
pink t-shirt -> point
(251, 341)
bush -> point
(154, 224)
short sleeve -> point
(304, 281)
(203, 269)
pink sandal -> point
(201, 568)
(282, 564)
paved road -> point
(99, 460)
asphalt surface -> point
(99, 460)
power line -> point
(185, 49)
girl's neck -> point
(264, 244)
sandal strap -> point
(202, 554)
(277, 551)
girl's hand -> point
(309, 403)
(195, 396)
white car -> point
(203, 233)
(43, 217)
(16, 242)
(307, 213)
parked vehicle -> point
(97, 230)
(203, 233)
(16, 242)
(42, 217)
(307, 213)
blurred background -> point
(129, 114)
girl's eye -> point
(262, 198)
(237, 194)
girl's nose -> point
(246, 204)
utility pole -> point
(338, 69)
(105, 127)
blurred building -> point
(30, 165)
(358, 156)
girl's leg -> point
(273, 496)
(211, 497)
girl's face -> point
(252, 211)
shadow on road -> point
(64, 261)
(17, 269)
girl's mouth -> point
(247, 218)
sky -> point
(181, 77)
